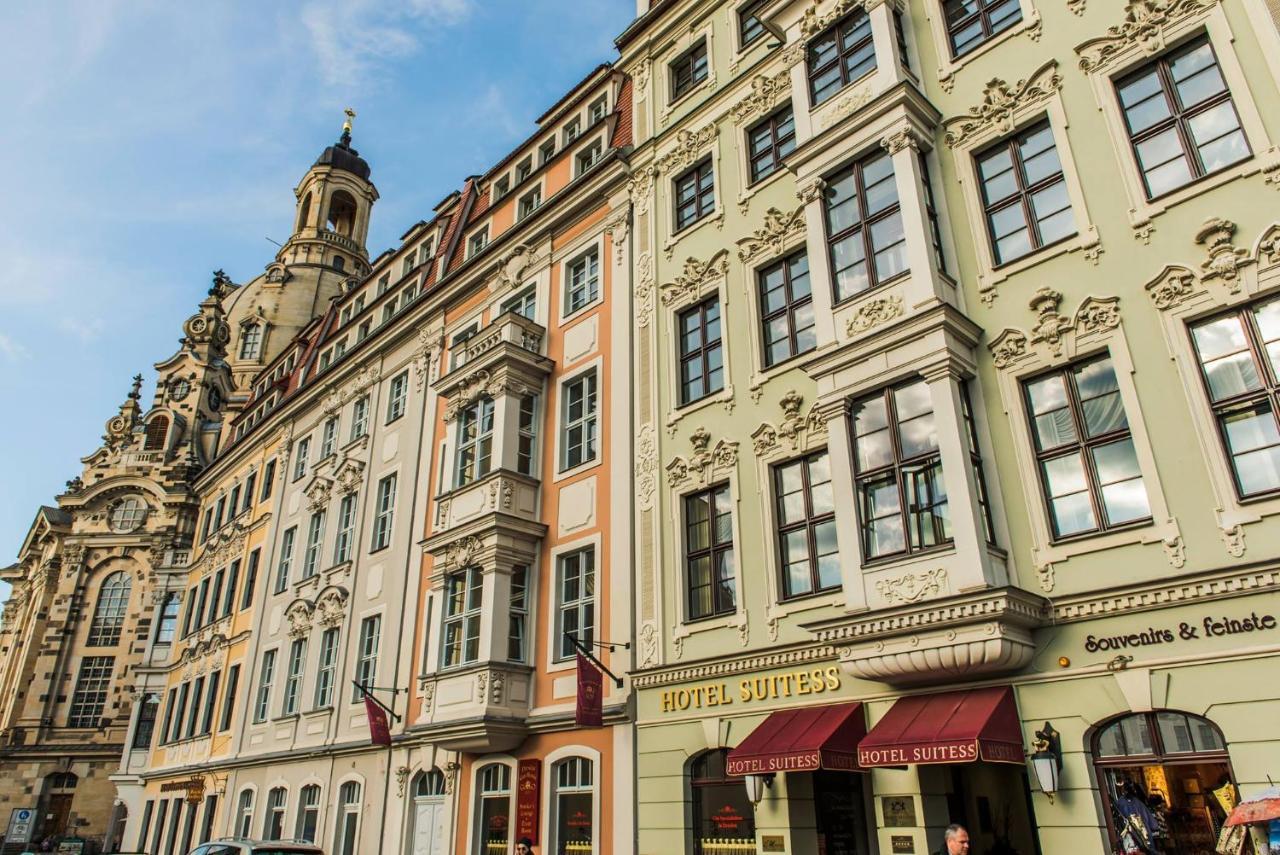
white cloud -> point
(85, 330)
(12, 349)
(352, 38)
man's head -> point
(957, 839)
(524, 846)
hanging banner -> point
(528, 799)
(379, 729)
(590, 711)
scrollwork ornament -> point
(1001, 103)
(1145, 25)
(778, 230)
(874, 313)
(696, 276)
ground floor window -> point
(494, 794)
(347, 836)
(575, 825)
(1166, 780)
(840, 812)
(722, 814)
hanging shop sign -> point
(1211, 626)
(815, 681)
(528, 798)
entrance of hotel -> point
(840, 814)
(1166, 780)
(993, 802)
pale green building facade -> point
(954, 415)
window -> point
(571, 131)
(584, 282)
(546, 151)
(128, 514)
(179, 714)
(477, 242)
(526, 434)
(518, 626)
(293, 680)
(529, 203)
(248, 491)
(931, 212)
(695, 195)
(457, 349)
(900, 35)
(1088, 466)
(786, 307)
(268, 479)
(399, 392)
(210, 704)
(721, 812)
(265, 676)
(90, 696)
(251, 341)
(286, 558)
(367, 656)
(475, 441)
(206, 824)
(1240, 363)
(167, 626)
(201, 601)
(346, 529)
(300, 461)
(273, 822)
(589, 157)
(197, 695)
(501, 187)
(902, 498)
(806, 526)
(864, 227)
(145, 729)
(769, 141)
(362, 332)
(251, 579)
(701, 352)
(524, 304)
(972, 22)
(328, 664)
(709, 557)
(157, 430)
(207, 528)
(217, 513)
(383, 513)
(229, 599)
(463, 599)
(524, 169)
(494, 810)
(975, 461)
(329, 437)
(244, 815)
(573, 805)
(315, 537)
(579, 421)
(340, 349)
(215, 595)
(688, 70)
(146, 825)
(576, 600)
(109, 613)
(346, 835)
(839, 55)
(1024, 194)
(229, 703)
(308, 813)
(1181, 120)
(598, 110)
(750, 27)
(360, 417)
(384, 283)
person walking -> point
(955, 840)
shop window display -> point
(723, 821)
(1166, 781)
(495, 810)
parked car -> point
(242, 846)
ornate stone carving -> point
(337, 397)
(349, 476)
(696, 276)
(1044, 573)
(318, 493)
(1171, 287)
(648, 645)
(461, 552)
(497, 687)
(792, 428)
(1001, 104)
(644, 290)
(1233, 540)
(451, 776)
(690, 146)
(1226, 261)
(1145, 25)
(1095, 314)
(914, 587)
(1010, 345)
(640, 188)
(646, 466)
(772, 238)
(812, 23)
(812, 192)
(704, 460)
(640, 77)
(901, 139)
(402, 778)
(430, 346)
(1076, 6)
(511, 267)
(1176, 551)
(844, 106)
(482, 685)
(619, 229)
(331, 607)
(873, 313)
(744, 633)
(765, 93)
(428, 695)
(299, 616)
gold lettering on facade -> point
(752, 689)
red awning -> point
(950, 727)
(802, 740)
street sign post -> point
(20, 822)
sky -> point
(147, 143)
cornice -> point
(707, 669)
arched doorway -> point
(1165, 776)
(59, 792)
(427, 834)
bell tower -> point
(335, 199)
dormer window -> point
(157, 430)
(251, 341)
(589, 156)
(546, 151)
(571, 131)
(524, 169)
(477, 242)
(598, 110)
(428, 247)
(501, 187)
(410, 262)
(529, 203)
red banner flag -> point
(590, 709)
(528, 799)
(379, 729)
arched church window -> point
(1165, 777)
(304, 212)
(157, 430)
(128, 514)
(251, 341)
(342, 213)
(108, 615)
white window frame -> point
(397, 396)
(568, 310)
(368, 650)
(287, 543)
(315, 541)
(345, 539)
(359, 418)
(470, 612)
(327, 668)
(384, 511)
(472, 249)
(579, 549)
(262, 691)
(563, 467)
(301, 453)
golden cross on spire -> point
(350, 114)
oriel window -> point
(463, 599)
(864, 227)
(972, 22)
(839, 55)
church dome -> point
(341, 155)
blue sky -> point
(149, 143)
